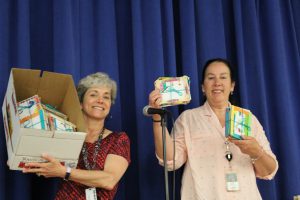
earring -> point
(231, 92)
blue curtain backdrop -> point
(137, 41)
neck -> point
(94, 127)
(220, 111)
(219, 108)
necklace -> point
(96, 151)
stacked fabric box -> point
(174, 90)
(34, 114)
(238, 122)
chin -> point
(96, 117)
(220, 101)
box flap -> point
(53, 87)
(26, 82)
(65, 98)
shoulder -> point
(192, 112)
(120, 145)
(120, 136)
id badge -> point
(90, 194)
(232, 183)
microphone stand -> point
(164, 126)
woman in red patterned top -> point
(105, 155)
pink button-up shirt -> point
(200, 139)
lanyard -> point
(96, 151)
(228, 153)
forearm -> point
(158, 141)
(265, 165)
(114, 168)
(94, 178)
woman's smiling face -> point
(97, 102)
(217, 84)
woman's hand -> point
(52, 168)
(264, 164)
(154, 102)
(155, 99)
(248, 145)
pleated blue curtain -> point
(137, 41)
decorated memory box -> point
(238, 122)
(32, 114)
(174, 90)
(27, 129)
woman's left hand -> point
(51, 168)
(248, 145)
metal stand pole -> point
(164, 126)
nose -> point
(100, 99)
(217, 82)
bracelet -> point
(253, 160)
(68, 173)
(153, 120)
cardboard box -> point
(27, 145)
(173, 90)
(238, 122)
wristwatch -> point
(68, 173)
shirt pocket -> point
(202, 144)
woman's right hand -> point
(155, 99)
(154, 102)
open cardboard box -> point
(27, 145)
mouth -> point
(217, 91)
(98, 108)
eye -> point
(107, 97)
(93, 94)
(223, 77)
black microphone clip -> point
(148, 111)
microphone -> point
(148, 111)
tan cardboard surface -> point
(55, 89)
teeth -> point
(98, 107)
(217, 91)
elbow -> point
(269, 173)
(109, 183)
(109, 186)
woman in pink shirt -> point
(216, 167)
